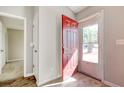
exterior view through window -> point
(90, 43)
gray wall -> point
(50, 29)
(113, 30)
(26, 12)
(15, 44)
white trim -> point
(13, 60)
(29, 74)
(110, 84)
(25, 35)
(25, 46)
(46, 81)
(11, 16)
(101, 22)
(89, 17)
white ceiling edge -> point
(20, 28)
(77, 9)
(12, 23)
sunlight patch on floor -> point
(70, 80)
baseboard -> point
(41, 83)
(110, 84)
(29, 74)
(15, 60)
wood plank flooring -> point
(78, 80)
(20, 82)
(12, 76)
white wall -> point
(50, 28)
(113, 30)
(15, 44)
(26, 12)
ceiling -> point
(77, 9)
(12, 23)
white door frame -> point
(25, 36)
(101, 41)
(1, 33)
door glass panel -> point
(90, 43)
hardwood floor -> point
(78, 80)
(12, 70)
(12, 76)
(20, 82)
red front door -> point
(69, 47)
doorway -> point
(91, 46)
(12, 54)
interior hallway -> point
(12, 70)
(13, 76)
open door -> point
(2, 47)
(69, 47)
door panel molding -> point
(69, 47)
